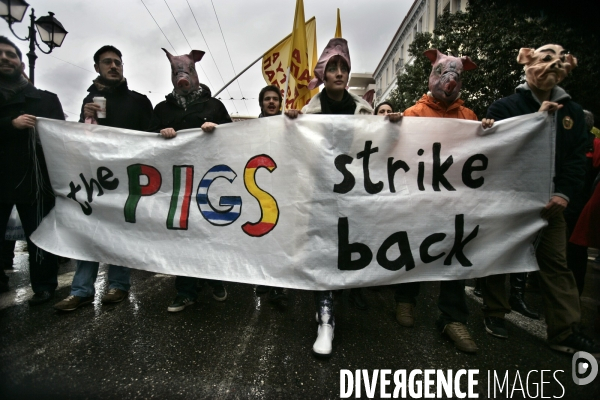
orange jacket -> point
(427, 106)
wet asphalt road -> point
(247, 348)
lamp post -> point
(51, 32)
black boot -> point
(517, 296)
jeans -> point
(43, 266)
(87, 272)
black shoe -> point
(262, 289)
(518, 305)
(495, 326)
(40, 297)
(219, 292)
(277, 295)
(577, 342)
(180, 303)
(357, 299)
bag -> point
(14, 229)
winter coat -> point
(17, 160)
(571, 137)
(125, 108)
(204, 109)
(428, 106)
(314, 106)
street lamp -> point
(51, 32)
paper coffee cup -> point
(101, 101)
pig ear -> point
(169, 55)
(525, 55)
(432, 54)
(196, 55)
(467, 63)
(571, 63)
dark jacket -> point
(125, 108)
(570, 134)
(205, 108)
(17, 178)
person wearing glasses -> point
(127, 109)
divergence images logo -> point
(584, 363)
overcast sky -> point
(250, 28)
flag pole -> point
(238, 75)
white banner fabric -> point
(320, 202)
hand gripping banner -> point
(320, 202)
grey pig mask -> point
(445, 80)
(183, 71)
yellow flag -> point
(282, 55)
(338, 27)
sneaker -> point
(324, 344)
(277, 295)
(114, 295)
(405, 315)
(40, 298)
(180, 303)
(72, 303)
(577, 342)
(219, 293)
(460, 336)
(495, 326)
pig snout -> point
(183, 82)
(449, 86)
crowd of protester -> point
(573, 211)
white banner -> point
(320, 202)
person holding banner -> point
(442, 101)
(24, 179)
(269, 100)
(545, 67)
(122, 108)
(333, 69)
(190, 105)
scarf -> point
(344, 106)
(106, 87)
(184, 101)
(10, 87)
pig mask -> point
(546, 66)
(445, 79)
(183, 71)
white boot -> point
(324, 342)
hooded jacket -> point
(314, 105)
(203, 109)
(428, 106)
(17, 158)
(571, 138)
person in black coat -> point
(24, 180)
(190, 105)
(127, 109)
(545, 67)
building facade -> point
(421, 17)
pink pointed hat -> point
(335, 47)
